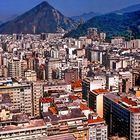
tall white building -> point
(37, 94)
(20, 93)
(16, 67)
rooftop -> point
(31, 124)
(97, 120)
(73, 97)
(59, 137)
(130, 103)
(83, 106)
(76, 84)
(100, 91)
(46, 100)
(73, 114)
(134, 110)
(53, 110)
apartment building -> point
(96, 100)
(16, 67)
(89, 83)
(122, 115)
(20, 94)
(37, 89)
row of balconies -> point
(23, 133)
(65, 129)
(31, 137)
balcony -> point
(51, 133)
(64, 127)
(72, 128)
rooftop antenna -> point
(34, 29)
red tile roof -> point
(129, 101)
(53, 110)
(100, 91)
(134, 110)
(72, 97)
(84, 106)
(90, 121)
(46, 100)
(77, 84)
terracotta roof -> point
(83, 107)
(129, 101)
(134, 110)
(100, 91)
(53, 110)
(90, 121)
(46, 100)
(76, 84)
(72, 97)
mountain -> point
(5, 18)
(113, 24)
(85, 16)
(129, 9)
(8, 18)
(42, 18)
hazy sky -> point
(67, 7)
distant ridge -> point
(129, 9)
(114, 24)
(85, 16)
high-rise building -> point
(92, 32)
(16, 67)
(122, 115)
(31, 75)
(102, 36)
(30, 63)
(71, 75)
(37, 94)
(89, 84)
(53, 69)
(20, 93)
(126, 81)
(96, 100)
(112, 82)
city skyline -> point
(8, 8)
(72, 78)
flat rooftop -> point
(99, 91)
(130, 103)
(72, 114)
(95, 121)
(31, 124)
(46, 100)
(59, 137)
